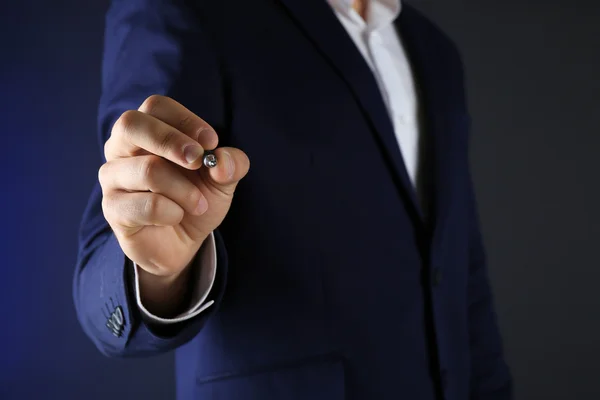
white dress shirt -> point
(379, 43)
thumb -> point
(232, 165)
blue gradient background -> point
(49, 85)
(534, 90)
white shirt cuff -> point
(205, 268)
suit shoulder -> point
(436, 35)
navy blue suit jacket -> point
(334, 281)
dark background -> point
(534, 89)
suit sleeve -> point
(151, 47)
(490, 376)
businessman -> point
(345, 261)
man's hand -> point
(159, 199)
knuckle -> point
(108, 208)
(149, 170)
(185, 121)
(166, 141)
(102, 174)
(107, 146)
(123, 125)
(105, 204)
(150, 206)
(151, 104)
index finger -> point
(136, 133)
(178, 116)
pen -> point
(209, 159)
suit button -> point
(437, 277)
(115, 321)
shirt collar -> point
(379, 12)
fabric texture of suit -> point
(334, 280)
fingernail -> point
(229, 164)
(202, 206)
(192, 153)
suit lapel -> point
(442, 113)
(318, 21)
(438, 95)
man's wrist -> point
(165, 296)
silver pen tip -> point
(210, 159)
